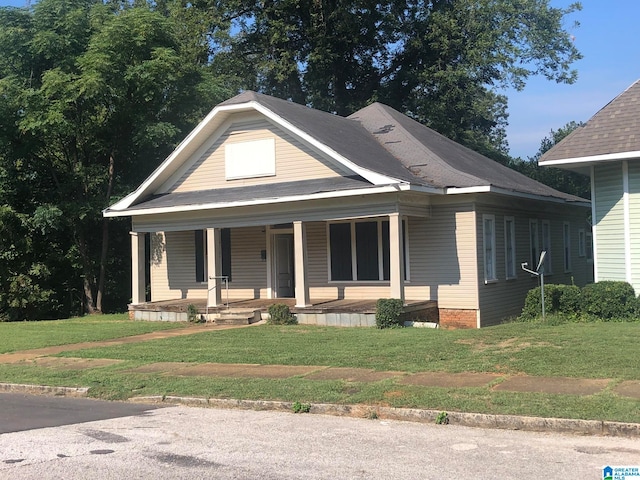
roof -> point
(441, 161)
(379, 144)
(610, 133)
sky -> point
(609, 40)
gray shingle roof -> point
(441, 161)
(251, 193)
(614, 129)
(344, 136)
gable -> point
(250, 150)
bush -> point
(561, 299)
(388, 311)
(279, 314)
(609, 300)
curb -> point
(478, 420)
(44, 390)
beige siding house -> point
(607, 148)
(269, 200)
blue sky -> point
(607, 38)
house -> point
(290, 203)
(607, 148)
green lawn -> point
(594, 350)
(27, 335)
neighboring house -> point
(607, 148)
(291, 202)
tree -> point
(442, 61)
(95, 96)
(563, 180)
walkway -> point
(519, 383)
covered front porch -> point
(330, 312)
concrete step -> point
(236, 317)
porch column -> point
(300, 264)
(396, 247)
(214, 267)
(138, 280)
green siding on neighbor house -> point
(634, 223)
(609, 222)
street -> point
(199, 443)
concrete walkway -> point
(500, 382)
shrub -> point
(279, 314)
(609, 300)
(192, 313)
(558, 299)
(388, 311)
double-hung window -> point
(546, 246)
(489, 236)
(534, 245)
(359, 251)
(566, 236)
(510, 247)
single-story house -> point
(270, 200)
(607, 148)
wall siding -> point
(609, 222)
(504, 298)
(294, 160)
(634, 223)
(174, 252)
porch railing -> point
(224, 278)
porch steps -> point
(235, 316)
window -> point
(510, 247)
(581, 243)
(201, 254)
(359, 250)
(489, 235)
(566, 236)
(534, 246)
(588, 246)
(546, 246)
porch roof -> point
(222, 197)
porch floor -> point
(320, 306)
(332, 312)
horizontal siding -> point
(505, 298)
(609, 222)
(634, 223)
(443, 257)
(294, 160)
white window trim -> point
(512, 231)
(492, 261)
(533, 262)
(566, 240)
(354, 263)
(548, 263)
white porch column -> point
(396, 247)
(214, 267)
(138, 280)
(300, 264)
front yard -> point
(590, 351)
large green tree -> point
(442, 61)
(93, 96)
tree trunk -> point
(105, 240)
(87, 283)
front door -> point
(284, 265)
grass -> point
(597, 350)
(27, 335)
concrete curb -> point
(44, 390)
(479, 420)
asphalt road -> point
(20, 412)
(201, 443)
